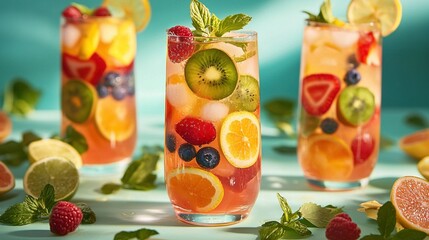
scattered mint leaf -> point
(417, 120)
(46, 199)
(20, 98)
(140, 234)
(29, 137)
(12, 153)
(386, 219)
(284, 149)
(75, 139)
(409, 234)
(89, 216)
(232, 23)
(272, 230)
(386, 143)
(110, 188)
(317, 215)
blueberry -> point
(208, 157)
(352, 77)
(170, 142)
(113, 79)
(187, 152)
(329, 125)
(119, 92)
(102, 90)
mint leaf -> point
(417, 120)
(47, 199)
(12, 153)
(231, 23)
(19, 214)
(201, 18)
(317, 215)
(110, 188)
(386, 219)
(139, 173)
(271, 231)
(409, 234)
(89, 216)
(386, 143)
(284, 149)
(20, 98)
(75, 139)
(29, 137)
(373, 237)
(287, 211)
(140, 234)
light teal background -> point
(29, 48)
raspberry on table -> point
(180, 43)
(341, 227)
(65, 218)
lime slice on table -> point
(57, 171)
(44, 148)
(388, 13)
(138, 10)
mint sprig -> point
(386, 220)
(325, 15)
(296, 224)
(31, 209)
(140, 234)
(207, 24)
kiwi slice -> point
(211, 74)
(246, 95)
(356, 105)
(78, 100)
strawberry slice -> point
(318, 92)
(368, 50)
(90, 70)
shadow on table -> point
(287, 183)
(41, 234)
(244, 230)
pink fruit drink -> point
(97, 89)
(340, 97)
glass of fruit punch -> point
(212, 127)
(340, 96)
(97, 89)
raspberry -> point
(180, 46)
(65, 218)
(102, 12)
(341, 227)
(196, 131)
(72, 13)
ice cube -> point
(70, 35)
(108, 32)
(214, 111)
(344, 39)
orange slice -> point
(115, 119)
(194, 189)
(416, 144)
(326, 157)
(410, 197)
(5, 126)
(7, 180)
(137, 10)
(387, 13)
(240, 139)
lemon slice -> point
(137, 10)
(240, 139)
(44, 148)
(388, 13)
(423, 167)
(57, 171)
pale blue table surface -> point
(130, 210)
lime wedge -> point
(57, 171)
(137, 10)
(53, 148)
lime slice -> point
(57, 171)
(53, 148)
(388, 13)
(137, 10)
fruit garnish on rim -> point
(137, 10)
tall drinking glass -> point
(340, 97)
(212, 127)
(97, 89)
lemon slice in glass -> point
(44, 148)
(57, 171)
(388, 13)
(137, 10)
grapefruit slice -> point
(416, 144)
(410, 197)
(5, 126)
(7, 180)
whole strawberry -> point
(341, 227)
(180, 46)
(65, 218)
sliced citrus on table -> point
(240, 139)
(423, 167)
(115, 120)
(326, 157)
(5, 125)
(410, 197)
(7, 180)
(195, 189)
(57, 171)
(387, 13)
(416, 144)
(44, 148)
(137, 10)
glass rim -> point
(348, 26)
(238, 35)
